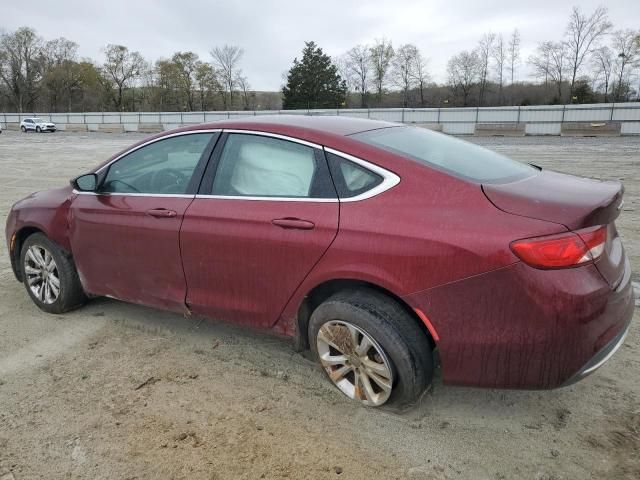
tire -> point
(23, 128)
(38, 130)
(70, 293)
(402, 343)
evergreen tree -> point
(313, 82)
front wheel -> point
(49, 276)
(371, 348)
(38, 130)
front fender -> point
(46, 211)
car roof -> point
(324, 124)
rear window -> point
(458, 157)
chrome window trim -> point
(154, 140)
(389, 179)
(123, 194)
(273, 135)
(270, 199)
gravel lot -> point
(121, 391)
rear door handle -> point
(293, 223)
(161, 213)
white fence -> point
(538, 120)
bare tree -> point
(342, 64)
(358, 65)
(499, 55)
(58, 51)
(583, 33)
(226, 60)
(626, 47)
(421, 75)
(603, 66)
(550, 61)
(19, 66)
(513, 56)
(247, 94)
(61, 72)
(484, 51)
(380, 56)
(402, 70)
(463, 71)
(121, 67)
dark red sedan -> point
(373, 244)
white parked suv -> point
(37, 125)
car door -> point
(265, 214)
(125, 236)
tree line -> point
(39, 75)
(591, 62)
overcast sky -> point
(273, 32)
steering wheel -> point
(134, 189)
(168, 179)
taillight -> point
(563, 250)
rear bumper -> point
(518, 327)
(600, 358)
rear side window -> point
(260, 166)
(350, 178)
(458, 157)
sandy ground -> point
(121, 391)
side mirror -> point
(86, 183)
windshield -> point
(458, 157)
(37, 120)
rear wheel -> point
(49, 275)
(23, 128)
(371, 348)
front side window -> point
(458, 157)
(162, 167)
(260, 166)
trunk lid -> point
(571, 201)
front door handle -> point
(161, 213)
(293, 223)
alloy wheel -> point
(42, 274)
(355, 362)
